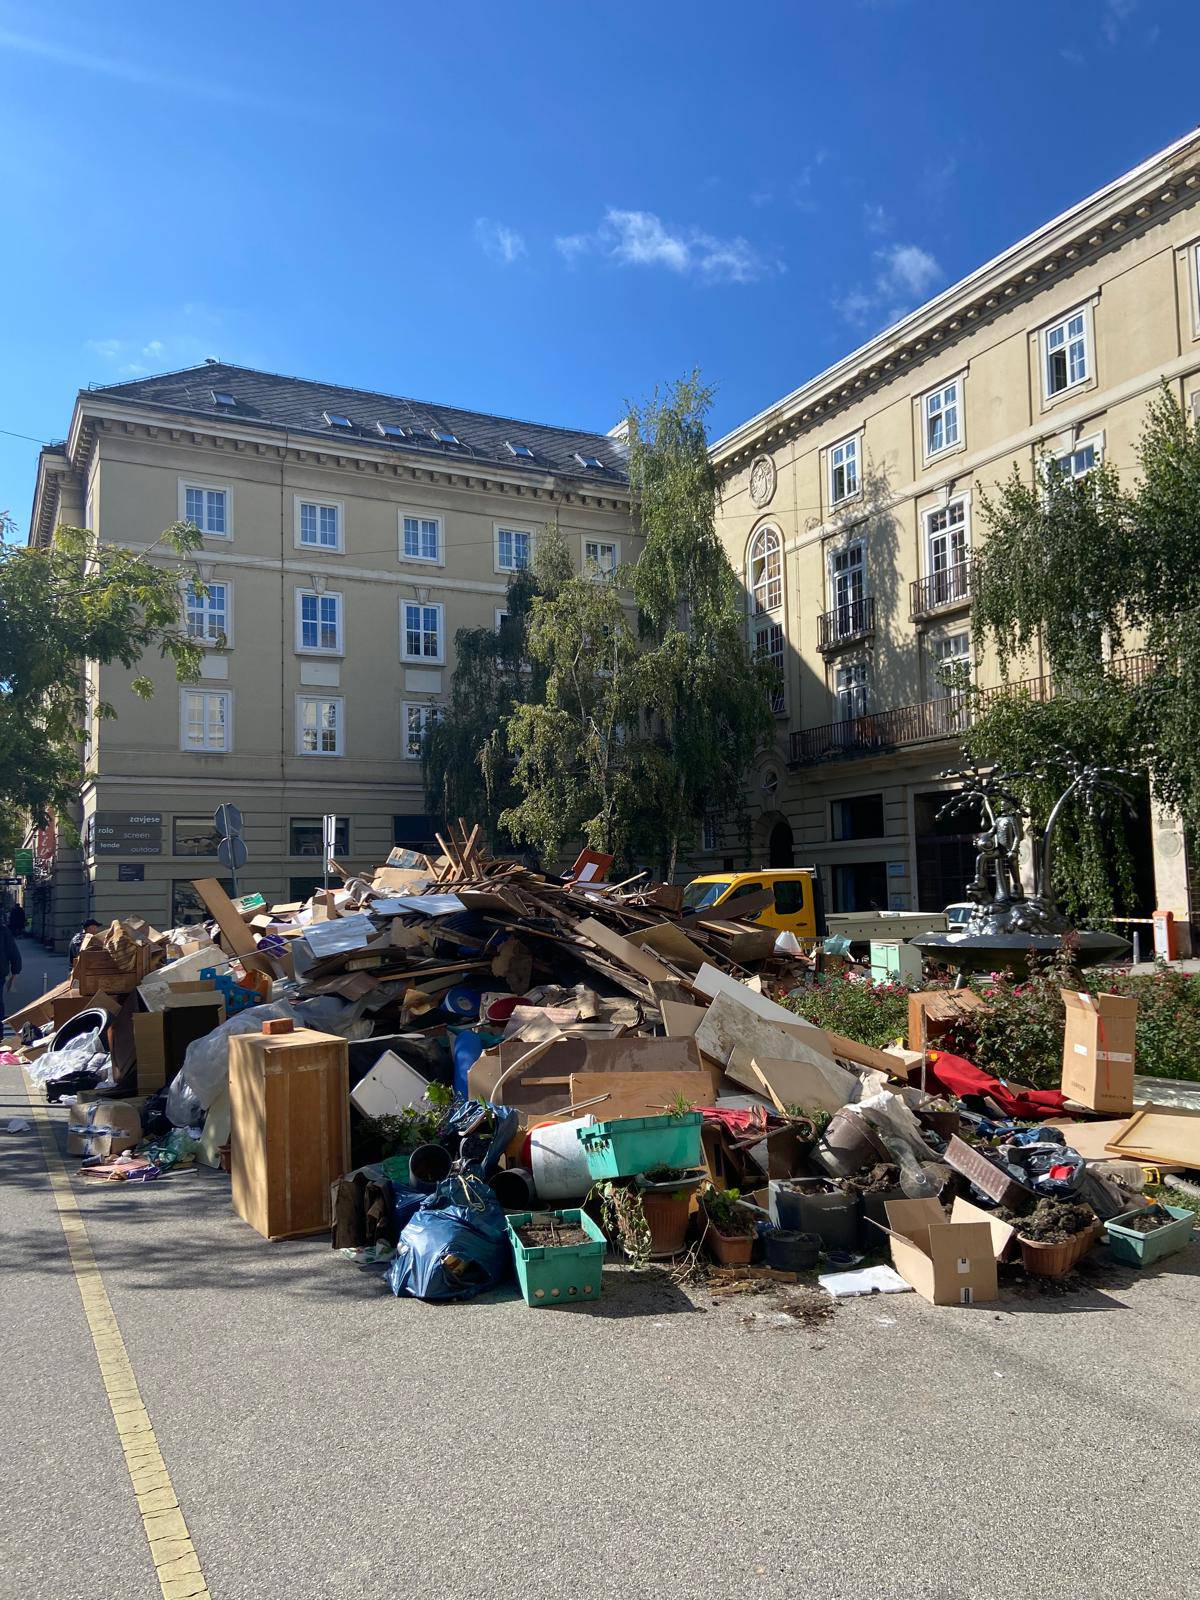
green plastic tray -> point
(630, 1145)
(558, 1275)
(1140, 1249)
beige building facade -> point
(347, 537)
(852, 509)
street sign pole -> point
(231, 851)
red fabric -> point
(753, 1119)
(961, 1077)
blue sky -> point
(539, 209)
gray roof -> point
(267, 399)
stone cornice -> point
(1137, 201)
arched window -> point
(766, 571)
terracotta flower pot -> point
(1056, 1260)
(730, 1249)
(667, 1212)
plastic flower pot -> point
(730, 1249)
(667, 1207)
(1137, 1249)
(629, 1145)
(429, 1163)
(558, 1275)
(789, 1251)
(833, 1217)
(1056, 1260)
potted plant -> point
(730, 1231)
(666, 1194)
(1055, 1235)
(414, 1128)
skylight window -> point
(222, 397)
(443, 436)
(593, 463)
(335, 419)
(390, 430)
(521, 450)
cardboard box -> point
(161, 1038)
(289, 1101)
(1098, 1050)
(102, 1127)
(948, 1262)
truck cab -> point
(797, 905)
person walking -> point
(17, 919)
(10, 958)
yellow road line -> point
(175, 1561)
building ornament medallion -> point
(762, 481)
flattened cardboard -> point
(1098, 1050)
(155, 988)
(237, 936)
(41, 1010)
(102, 1127)
(947, 1263)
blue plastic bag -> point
(455, 1246)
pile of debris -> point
(463, 1068)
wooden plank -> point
(236, 935)
(1157, 1133)
(796, 1083)
(640, 1094)
(734, 1036)
(669, 941)
(865, 1055)
(712, 982)
(681, 1021)
(624, 950)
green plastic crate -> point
(396, 1167)
(1140, 1249)
(630, 1145)
(558, 1275)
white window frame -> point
(321, 503)
(860, 565)
(427, 707)
(766, 630)
(600, 572)
(1094, 441)
(939, 394)
(206, 695)
(1053, 396)
(438, 560)
(854, 441)
(937, 655)
(421, 660)
(207, 488)
(1192, 260)
(947, 533)
(763, 585)
(850, 670)
(210, 643)
(511, 527)
(321, 700)
(320, 649)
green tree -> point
(1086, 569)
(708, 703)
(467, 764)
(575, 744)
(61, 607)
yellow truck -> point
(797, 906)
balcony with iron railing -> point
(947, 717)
(846, 623)
(941, 591)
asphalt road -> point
(325, 1439)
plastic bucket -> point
(848, 1145)
(790, 1251)
(558, 1160)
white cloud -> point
(876, 219)
(498, 241)
(643, 239)
(1116, 12)
(134, 358)
(905, 273)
